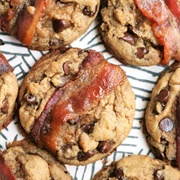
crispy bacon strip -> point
(165, 26)
(4, 65)
(5, 172)
(27, 22)
(96, 79)
(173, 6)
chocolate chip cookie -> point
(8, 92)
(47, 24)
(77, 105)
(128, 35)
(23, 160)
(138, 167)
(163, 114)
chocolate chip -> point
(158, 176)
(104, 146)
(119, 174)
(87, 128)
(163, 96)
(87, 12)
(84, 156)
(141, 51)
(59, 25)
(66, 67)
(4, 108)
(166, 125)
(129, 38)
(30, 99)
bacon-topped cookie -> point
(23, 160)
(141, 32)
(47, 24)
(8, 92)
(77, 105)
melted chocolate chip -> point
(30, 99)
(141, 51)
(4, 108)
(119, 174)
(87, 12)
(163, 96)
(158, 176)
(166, 125)
(84, 156)
(104, 146)
(87, 128)
(129, 38)
(66, 67)
(59, 25)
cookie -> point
(8, 92)
(45, 24)
(69, 97)
(138, 167)
(129, 35)
(162, 116)
(23, 160)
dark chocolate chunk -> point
(141, 51)
(84, 156)
(129, 38)
(163, 96)
(158, 176)
(87, 128)
(119, 174)
(30, 99)
(104, 146)
(59, 25)
(4, 108)
(87, 12)
(166, 125)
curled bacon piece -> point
(5, 172)
(165, 26)
(4, 65)
(96, 79)
(27, 22)
(173, 6)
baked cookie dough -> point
(138, 167)
(8, 92)
(23, 160)
(77, 105)
(128, 34)
(162, 116)
(47, 24)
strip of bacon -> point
(4, 65)
(96, 79)
(173, 6)
(27, 22)
(165, 26)
(5, 172)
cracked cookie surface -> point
(139, 167)
(47, 24)
(127, 34)
(162, 116)
(23, 160)
(95, 107)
